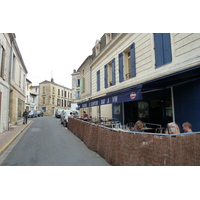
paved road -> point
(48, 143)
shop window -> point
(163, 53)
(143, 111)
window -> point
(44, 109)
(163, 54)
(77, 82)
(53, 90)
(108, 37)
(109, 74)
(33, 99)
(53, 100)
(58, 92)
(43, 100)
(97, 47)
(58, 102)
(13, 67)
(77, 95)
(20, 76)
(24, 81)
(62, 93)
(65, 94)
(127, 67)
(44, 90)
(82, 85)
(98, 80)
(20, 109)
(62, 102)
(106, 76)
(2, 62)
(65, 103)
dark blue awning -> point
(131, 95)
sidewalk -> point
(7, 137)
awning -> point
(133, 94)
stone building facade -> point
(12, 82)
(18, 72)
(53, 96)
(5, 48)
(162, 69)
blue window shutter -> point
(98, 81)
(132, 54)
(113, 71)
(121, 71)
(167, 48)
(106, 76)
(158, 49)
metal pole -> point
(173, 110)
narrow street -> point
(48, 143)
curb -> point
(13, 138)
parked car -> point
(65, 117)
(40, 113)
(75, 113)
(58, 113)
(62, 115)
(32, 113)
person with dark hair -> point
(85, 115)
(71, 115)
(25, 116)
(187, 127)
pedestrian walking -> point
(25, 117)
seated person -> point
(172, 128)
(138, 126)
(187, 127)
(85, 115)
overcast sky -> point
(55, 54)
(55, 37)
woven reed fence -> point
(127, 149)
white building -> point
(149, 76)
(5, 47)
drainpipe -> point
(173, 110)
(9, 78)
